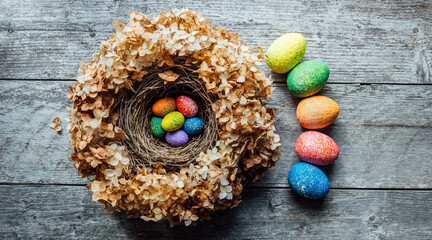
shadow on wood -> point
(218, 227)
(305, 203)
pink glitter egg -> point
(187, 106)
(316, 148)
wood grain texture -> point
(50, 212)
(381, 184)
(383, 131)
(362, 42)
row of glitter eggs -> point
(304, 80)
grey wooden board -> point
(66, 212)
(361, 41)
(381, 185)
(383, 131)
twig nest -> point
(144, 60)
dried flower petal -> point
(56, 124)
(168, 76)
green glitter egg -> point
(173, 121)
(308, 78)
(286, 52)
(156, 127)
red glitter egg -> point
(187, 106)
(316, 148)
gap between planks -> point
(246, 186)
(276, 82)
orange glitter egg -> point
(164, 106)
(317, 112)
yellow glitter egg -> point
(286, 52)
(173, 121)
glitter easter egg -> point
(187, 106)
(317, 112)
(156, 127)
(177, 138)
(193, 126)
(308, 181)
(308, 78)
(286, 52)
(316, 148)
(164, 106)
(173, 121)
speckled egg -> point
(317, 112)
(173, 121)
(187, 106)
(308, 78)
(286, 52)
(177, 138)
(193, 126)
(316, 148)
(164, 106)
(308, 181)
(156, 127)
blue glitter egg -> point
(308, 181)
(193, 126)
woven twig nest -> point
(174, 53)
(135, 113)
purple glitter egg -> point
(177, 138)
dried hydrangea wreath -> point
(246, 143)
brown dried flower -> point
(168, 76)
(247, 142)
(56, 124)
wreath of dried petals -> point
(247, 144)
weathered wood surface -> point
(381, 184)
(362, 41)
(52, 212)
(383, 131)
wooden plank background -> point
(51, 211)
(373, 41)
(378, 140)
(380, 56)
